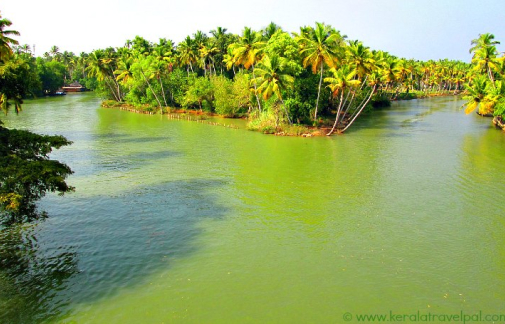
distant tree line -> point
(315, 76)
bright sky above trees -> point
(420, 29)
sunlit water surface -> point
(177, 221)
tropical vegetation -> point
(486, 86)
(26, 171)
(315, 77)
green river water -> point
(183, 222)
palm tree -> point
(220, 41)
(360, 58)
(476, 93)
(6, 41)
(55, 52)
(273, 79)
(319, 46)
(484, 40)
(270, 30)
(485, 59)
(124, 70)
(25, 48)
(187, 53)
(229, 60)
(145, 66)
(247, 52)
(99, 65)
(340, 81)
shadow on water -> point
(121, 240)
(30, 278)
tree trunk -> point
(319, 91)
(360, 110)
(255, 89)
(117, 85)
(348, 106)
(286, 111)
(154, 93)
(163, 92)
(338, 112)
(490, 73)
(111, 90)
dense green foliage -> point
(486, 87)
(296, 78)
(305, 77)
(26, 171)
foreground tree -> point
(6, 41)
(26, 172)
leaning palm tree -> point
(319, 46)
(273, 79)
(99, 66)
(6, 41)
(342, 80)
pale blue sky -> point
(420, 29)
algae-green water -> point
(183, 222)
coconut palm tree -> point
(360, 58)
(145, 67)
(476, 93)
(6, 41)
(100, 66)
(229, 60)
(220, 40)
(484, 40)
(485, 60)
(247, 51)
(55, 52)
(342, 79)
(273, 79)
(187, 53)
(124, 70)
(320, 46)
(270, 30)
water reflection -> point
(124, 237)
(30, 277)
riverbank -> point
(269, 124)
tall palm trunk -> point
(163, 92)
(319, 90)
(338, 113)
(490, 73)
(255, 89)
(117, 85)
(286, 111)
(154, 93)
(112, 90)
(360, 110)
